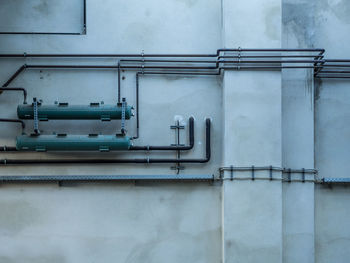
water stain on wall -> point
(272, 23)
(298, 21)
(318, 88)
(42, 7)
(341, 9)
(16, 215)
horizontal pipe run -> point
(337, 60)
(114, 161)
(8, 149)
(332, 77)
(334, 72)
(103, 178)
(40, 33)
(162, 67)
(170, 148)
(240, 61)
(321, 51)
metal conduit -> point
(103, 178)
(316, 50)
(240, 62)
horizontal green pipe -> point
(74, 112)
(64, 142)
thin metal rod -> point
(119, 82)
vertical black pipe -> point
(84, 18)
(118, 81)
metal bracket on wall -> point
(36, 116)
(123, 130)
(177, 127)
(83, 31)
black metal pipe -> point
(119, 82)
(113, 67)
(168, 67)
(219, 61)
(115, 161)
(8, 149)
(84, 18)
(332, 77)
(101, 55)
(17, 89)
(334, 71)
(143, 67)
(321, 51)
(137, 108)
(170, 148)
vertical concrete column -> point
(252, 210)
(298, 135)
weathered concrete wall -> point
(116, 223)
(298, 135)
(258, 118)
(252, 222)
(332, 144)
(108, 223)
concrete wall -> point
(117, 223)
(306, 126)
(332, 120)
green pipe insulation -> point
(63, 111)
(63, 142)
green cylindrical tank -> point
(63, 111)
(63, 142)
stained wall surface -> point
(156, 222)
(262, 118)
